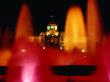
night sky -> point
(41, 10)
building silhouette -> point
(51, 37)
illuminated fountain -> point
(24, 23)
(31, 63)
(75, 57)
(75, 35)
(97, 48)
(93, 26)
(75, 39)
(24, 52)
(27, 58)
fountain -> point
(31, 63)
(22, 65)
(24, 23)
(76, 28)
(75, 48)
(93, 26)
(96, 45)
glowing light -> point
(56, 33)
(75, 35)
(23, 50)
(48, 27)
(43, 47)
(83, 50)
(61, 47)
(55, 27)
(48, 33)
(28, 73)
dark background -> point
(41, 10)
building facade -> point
(51, 37)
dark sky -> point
(41, 10)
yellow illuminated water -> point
(75, 35)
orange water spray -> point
(93, 26)
(24, 23)
(75, 35)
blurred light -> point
(83, 50)
(48, 33)
(28, 73)
(61, 47)
(56, 27)
(23, 50)
(43, 47)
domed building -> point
(51, 37)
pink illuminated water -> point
(105, 56)
(25, 54)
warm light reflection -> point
(75, 35)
